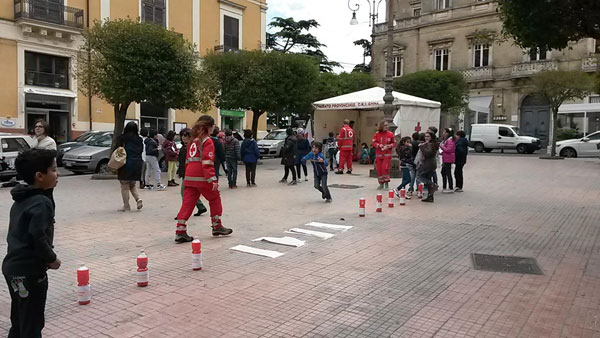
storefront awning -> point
(579, 108)
(233, 113)
(480, 103)
(50, 91)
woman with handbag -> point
(130, 173)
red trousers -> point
(190, 196)
(345, 158)
(382, 165)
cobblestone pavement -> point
(404, 273)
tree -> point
(367, 48)
(447, 87)
(136, 62)
(263, 81)
(331, 85)
(293, 37)
(558, 87)
(549, 24)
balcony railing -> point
(46, 79)
(589, 64)
(532, 67)
(50, 12)
(476, 74)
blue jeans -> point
(406, 178)
(413, 178)
(232, 172)
(321, 185)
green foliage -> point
(560, 86)
(566, 134)
(135, 62)
(331, 85)
(549, 23)
(263, 81)
(447, 87)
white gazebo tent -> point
(365, 107)
(581, 108)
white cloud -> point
(335, 30)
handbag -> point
(118, 158)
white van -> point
(487, 137)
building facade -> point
(465, 36)
(40, 40)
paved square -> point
(406, 272)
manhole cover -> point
(344, 186)
(498, 263)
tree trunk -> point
(553, 130)
(120, 110)
(255, 116)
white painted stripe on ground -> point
(322, 235)
(329, 226)
(289, 241)
(256, 251)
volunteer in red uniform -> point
(345, 143)
(200, 179)
(384, 143)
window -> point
(595, 99)
(537, 54)
(481, 55)
(46, 70)
(416, 11)
(14, 145)
(506, 132)
(231, 34)
(441, 59)
(398, 66)
(594, 137)
(442, 4)
(154, 11)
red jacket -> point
(346, 138)
(200, 163)
(383, 138)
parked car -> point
(10, 147)
(92, 157)
(487, 137)
(270, 145)
(579, 147)
(80, 141)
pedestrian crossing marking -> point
(289, 241)
(322, 235)
(330, 226)
(256, 251)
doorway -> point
(535, 118)
(53, 109)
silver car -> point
(10, 147)
(271, 145)
(90, 158)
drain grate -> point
(344, 186)
(499, 263)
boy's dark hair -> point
(460, 133)
(422, 137)
(416, 136)
(30, 162)
(364, 145)
(170, 135)
(318, 145)
(144, 132)
(330, 134)
(247, 133)
(152, 133)
(228, 132)
(433, 129)
(404, 140)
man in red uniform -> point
(384, 143)
(200, 179)
(345, 143)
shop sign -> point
(8, 123)
(499, 118)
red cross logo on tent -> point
(418, 127)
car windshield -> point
(95, 137)
(276, 135)
(516, 130)
(84, 137)
(104, 140)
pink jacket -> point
(448, 151)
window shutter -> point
(148, 13)
(159, 16)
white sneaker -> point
(161, 187)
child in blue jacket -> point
(320, 169)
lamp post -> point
(373, 15)
(388, 98)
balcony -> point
(47, 79)
(47, 18)
(477, 74)
(526, 69)
(589, 64)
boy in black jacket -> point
(30, 235)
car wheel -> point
(521, 149)
(568, 152)
(103, 168)
(488, 150)
(479, 147)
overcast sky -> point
(335, 30)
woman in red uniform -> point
(200, 179)
(384, 143)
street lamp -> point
(354, 21)
(373, 11)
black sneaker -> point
(339, 172)
(221, 231)
(293, 182)
(428, 199)
(349, 172)
(200, 212)
(183, 238)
